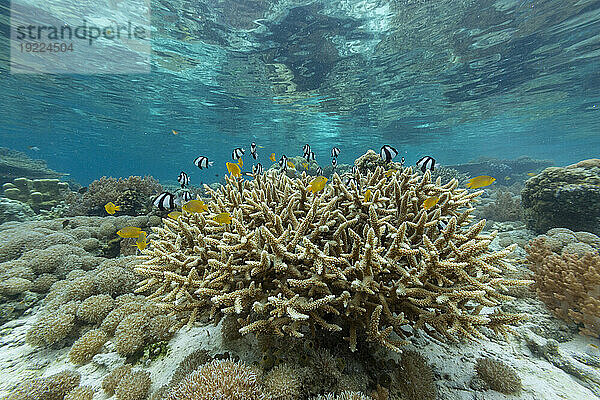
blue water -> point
(456, 80)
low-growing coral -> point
(80, 393)
(346, 395)
(87, 346)
(134, 385)
(292, 260)
(414, 379)
(15, 164)
(133, 195)
(568, 283)
(39, 194)
(499, 376)
(283, 383)
(220, 379)
(110, 381)
(53, 387)
(503, 208)
(51, 328)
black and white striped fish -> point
(183, 179)
(164, 201)
(319, 171)
(283, 162)
(237, 153)
(335, 152)
(257, 169)
(354, 169)
(310, 156)
(253, 150)
(334, 162)
(305, 149)
(426, 163)
(202, 162)
(402, 160)
(387, 153)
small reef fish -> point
(426, 163)
(430, 202)
(402, 160)
(241, 163)
(283, 161)
(184, 196)
(305, 165)
(272, 157)
(335, 151)
(183, 179)
(531, 174)
(390, 172)
(305, 149)
(141, 241)
(33, 148)
(129, 232)
(319, 171)
(234, 169)
(310, 156)
(164, 201)
(223, 218)
(174, 215)
(291, 165)
(334, 162)
(195, 206)
(253, 151)
(237, 153)
(111, 208)
(368, 196)
(355, 169)
(202, 162)
(257, 169)
(387, 153)
(480, 181)
(174, 132)
(317, 184)
(507, 178)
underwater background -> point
(302, 200)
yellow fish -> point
(241, 163)
(507, 178)
(111, 208)
(430, 202)
(291, 165)
(480, 181)
(223, 218)
(174, 132)
(368, 196)
(390, 172)
(272, 158)
(195, 206)
(234, 169)
(141, 241)
(305, 165)
(174, 215)
(317, 184)
(129, 232)
(531, 174)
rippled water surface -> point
(455, 79)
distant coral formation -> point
(53, 387)
(504, 207)
(39, 194)
(566, 197)
(569, 282)
(133, 195)
(335, 260)
(502, 169)
(14, 164)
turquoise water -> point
(453, 79)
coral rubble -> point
(293, 260)
(566, 197)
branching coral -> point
(292, 260)
(569, 284)
(133, 194)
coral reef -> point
(566, 197)
(504, 207)
(499, 376)
(346, 395)
(14, 164)
(220, 379)
(293, 260)
(414, 378)
(14, 210)
(87, 346)
(447, 174)
(501, 169)
(568, 283)
(39, 194)
(53, 387)
(134, 385)
(283, 382)
(111, 380)
(371, 160)
(133, 195)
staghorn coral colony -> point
(293, 261)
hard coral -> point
(499, 376)
(220, 380)
(569, 284)
(292, 259)
(133, 194)
(53, 387)
(134, 385)
(87, 346)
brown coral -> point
(292, 259)
(569, 284)
(87, 346)
(53, 387)
(499, 376)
